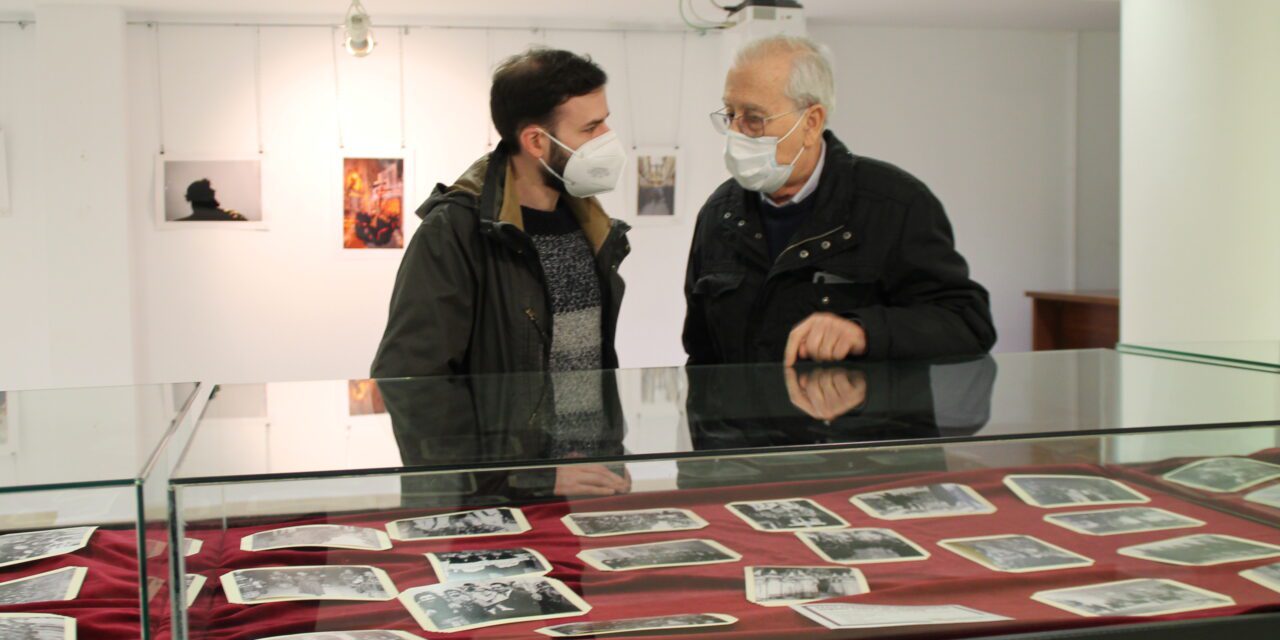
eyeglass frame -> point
(721, 119)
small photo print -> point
(226, 193)
(487, 564)
(1202, 550)
(364, 398)
(1140, 597)
(795, 514)
(17, 548)
(191, 546)
(372, 634)
(1014, 553)
(847, 615)
(58, 585)
(1269, 496)
(600, 524)
(336, 582)
(194, 583)
(1266, 575)
(929, 501)
(372, 203)
(1223, 475)
(656, 183)
(501, 521)
(1051, 491)
(781, 586)
(862, 546)
(461, 606)
(331, 536)
(1110, 522)
(638, 625)
(674, 553)
(37, 626)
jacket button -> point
(848, 235)
(759, 236)
(826, 244)
(742, 223)
(804, 253)
(826, 300)
(728, 214)
(614, 267)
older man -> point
(811, 252)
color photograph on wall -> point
(373, 203)
(656, 183)
(209, 192)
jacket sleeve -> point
(430, 321)
(934, 308)
(697, 335)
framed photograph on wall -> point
(656, 175)
(374, 197)
(208, 192)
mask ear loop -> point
(544, 162)
(793, 130)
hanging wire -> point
(404, 32)
(159, 88)
(632, 114)
(337, 89)
(488, 56)
(684, 44)
(257, 81)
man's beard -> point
(558, 159)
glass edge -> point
(1198, 358)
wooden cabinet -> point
(1074, 319)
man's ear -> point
(816, 122)
(533, 141)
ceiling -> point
(1007, 14)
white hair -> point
(811, 80)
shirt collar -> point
(810, 185)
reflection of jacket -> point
(887, 253)
(471, 297)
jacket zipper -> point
(800, 242)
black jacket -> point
(471, 297)
(879, 242)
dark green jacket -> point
(877, 249)
(471, 296)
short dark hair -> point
(528, 87)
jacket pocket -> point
(714, 285)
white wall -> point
(1097, 250)
(986, 118)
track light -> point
(359, 36)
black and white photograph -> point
(199, 192)
(194, 583)
(1138, 597)
(1014, 553)
(1223, 475)
(17, 548)
(655, 555)
(501, 521)
(1049, 491)
(929, 501)
(1267, 575)
(335, 582)
(638, 625)
(1202, 550)
(58, 585)
(1269, 496)
(37, 626)
(191, 546)
(862, 546)
(600, 524)
(371, 634)
(794, 514)
(1110, 522)
(848, 615)
(487, 564)
(656, 181)
(330, 536)
(450, 607)
(781, 586)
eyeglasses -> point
(749, 124)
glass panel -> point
(79, 469)
(1262, 355)
(338, 427)
(1004, 536)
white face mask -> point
(753, 162)
(593, 168)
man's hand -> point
(825, 337)
(591, 480)
(826, 394)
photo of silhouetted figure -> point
(204, 204)
(197, 192)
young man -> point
(811, 252)
(515, 266)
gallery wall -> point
(987, 118)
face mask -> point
(594, 168)
(754, 161)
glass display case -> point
(84, 510)
(1262, 355)
(1047, 493)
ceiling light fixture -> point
(359, 31)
